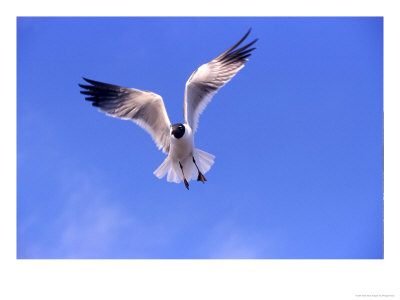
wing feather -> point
(205, 82)
(142, 107)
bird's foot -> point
(201, 178)
(186, 183)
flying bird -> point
(184, 162)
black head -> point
(178, 130)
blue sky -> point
(297, 135)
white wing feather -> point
(142, 107)
(205, 82)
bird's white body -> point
(180, 149)
(182, 152)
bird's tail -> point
(171, 167)
(204, 160)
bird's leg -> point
(201, 176)
(184, 179)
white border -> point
(198, 279)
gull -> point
(184, 162)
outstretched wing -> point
(142, 107)
(210, 77)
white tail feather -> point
(204, 160)
(171, 167)
(173, 174)
(163, 168)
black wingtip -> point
(82, 85)
(93, 82)
(231, 53)
(247, 34)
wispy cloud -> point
(90, 222)
(95, 222)
(229, 240)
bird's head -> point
(178, 130)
